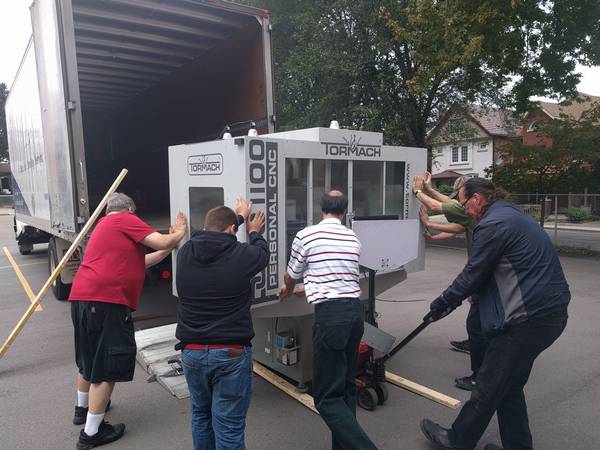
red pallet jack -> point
(388, 256)
(371, 382)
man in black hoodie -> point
(214, 324)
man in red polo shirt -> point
(105, 291)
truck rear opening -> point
(152, 74)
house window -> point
(456, 124)
(460, 155)
(534, 126)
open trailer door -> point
(61, 115)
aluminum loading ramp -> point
(155, 349)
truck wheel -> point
(25, 249)
(59, 289)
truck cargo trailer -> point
(111, 84)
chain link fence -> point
(571, 220)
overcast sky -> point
(15, 30)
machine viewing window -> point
(367, 188)
(394, 188)
(327, 175)
(203, 199)
(296, 203)
(339, 176)
(320, 179)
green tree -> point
(3, 136)
(570, 163)
(394, 65)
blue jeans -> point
(220, 389)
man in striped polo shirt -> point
(326, 256)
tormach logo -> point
(211, 164)
(352, 147)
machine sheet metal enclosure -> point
(285, 174)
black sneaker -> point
(493, 447)
(81, 414)
(106, 433)
(466, 383)
(461, 346)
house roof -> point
(493, 121)
(496, 122)
(572, 108)
(446, 174)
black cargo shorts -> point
(104, 341)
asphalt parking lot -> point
(37, 375)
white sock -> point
(92, 423)
(82, 399)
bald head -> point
(334, 203)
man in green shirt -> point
(459, 222)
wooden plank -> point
(286, 387)
(61, 265)
(22, 279)
(423, 391)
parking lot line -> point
(22, 279)
(25, 265)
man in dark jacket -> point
(523, 296)
(214, 324)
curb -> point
(564, 228)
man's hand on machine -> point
(256, 222)
(243, 207)
(440, 308)
(180, 223)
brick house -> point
(547, 112)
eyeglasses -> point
(465, 201)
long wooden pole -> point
(86, 228)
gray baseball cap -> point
(458, 183)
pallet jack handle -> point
(428, 319)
